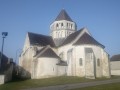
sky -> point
(100, 17)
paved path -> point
(77, 85)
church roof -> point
(39, 39)
(47, 52)
(62, 63)
(84, 39)
(72, 36)
(87, 39)
(115, 58)
(63, 16)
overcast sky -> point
(17, 17)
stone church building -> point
(66, 52)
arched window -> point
(62, 25)
(67, 25)
(57, 26)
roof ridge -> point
(38, 34)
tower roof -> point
(63, 16)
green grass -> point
(114, 86)
(17, 85)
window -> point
(98, 62)
(80, 62)
(67, 25)
(57, 25)
(62, 25)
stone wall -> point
(115, 72)
(7, 76)
(115, 67)
(2, 80)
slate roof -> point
(62, 63)
(63, 16)
(87, 39)
(39, 39)
(115, 58)
(47, 52)
(71, 37)
(58, 41)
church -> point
(65, 52)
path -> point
(77, 85)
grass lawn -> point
(17, 85)
(114, 86)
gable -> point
(87, 39)
(46, 52)
(26, 43)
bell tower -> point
(62, 27)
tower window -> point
(57, 25)
(67, 24)
(61, 24)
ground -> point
(113, 86)
(25, 84)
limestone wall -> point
(2, 79)
(45, 67)
(115, 67)
(100, 70)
